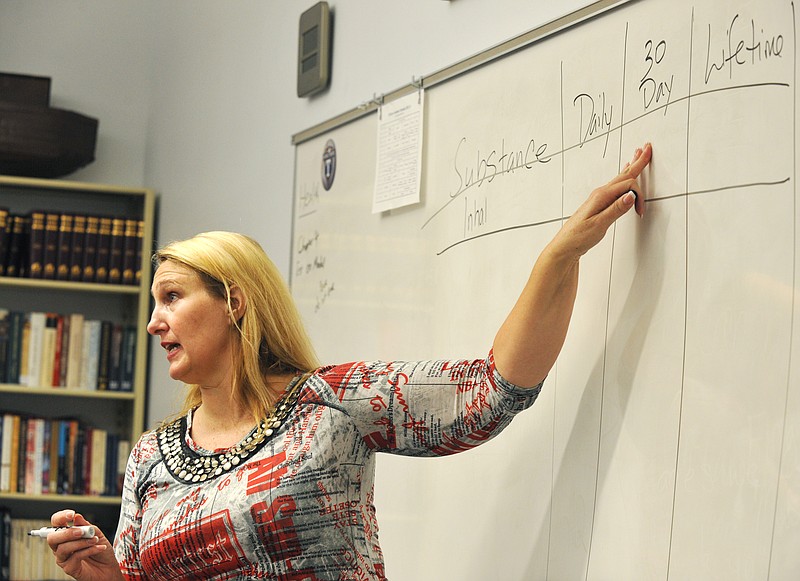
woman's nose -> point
(156, 324)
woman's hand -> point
(85, 559)
(588, 225)
(529, 341)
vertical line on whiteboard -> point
(685, 297)
(597, 482)
(794, 288)
(555, 391)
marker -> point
(87, 530)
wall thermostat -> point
(313, 60)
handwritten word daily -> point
(476, 167)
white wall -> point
(196, 98)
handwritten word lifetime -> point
(743, 47)
(489, 166)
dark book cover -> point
(50, 254)
(5, 543)
(103, 250)
(5, 332)
(64, 250)
(137, 275)
(103, 366)
(115, 359)
(14, 353)
(90, 248)
(128, 358)
(116, 248)
(36, 245)
(130, 251)
(76, 248)
(5, 216)
(16, 246)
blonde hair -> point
(272, 338)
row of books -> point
(73, 247)
(24, 557)
(39, 349)
(59, 456)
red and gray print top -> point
(301, 507)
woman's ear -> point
(238, 303)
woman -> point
(268, 470)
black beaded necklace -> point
(188, 466)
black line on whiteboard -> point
(306, 214)
(564, 150)
(648, 201)
(685, 300)
(794, 301)
(499, 231)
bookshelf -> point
(114, 407)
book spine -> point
(5, 452)
(50, 253)
(103, 250)
(15, 253)
(4, 238)
(16, 319)
(5, 338)
(63, 360)
(104, 355)
(36, 245)
(55, 377)
(128, 358)
(76, 248)
(15, 441)
(91, 353)
(137, 275)
(37, 323)
(75, 355)
(116, 246)
(129, 252)
(64, 249)
(90, 248)
(48, 356)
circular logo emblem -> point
(328, 164)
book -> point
(48, 351)
(16, 322)
(36, 322)
(62, 352)
(75, 350)
(64, 246)
(90, 355)
(97, 464)
(128, 358)
(5, 543)
(130, 252)
(15, 245)
(5, 452)
(5, 330)
(4, 237)
(50, 252)
(137, 275)
(103, 250)
(36, 244)
(76, 248)
(116, 246)
(16, 424)
(90, 248)
(104, 355)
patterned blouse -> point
(295, 501)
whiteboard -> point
(666, 441)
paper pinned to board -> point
(399, 155)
